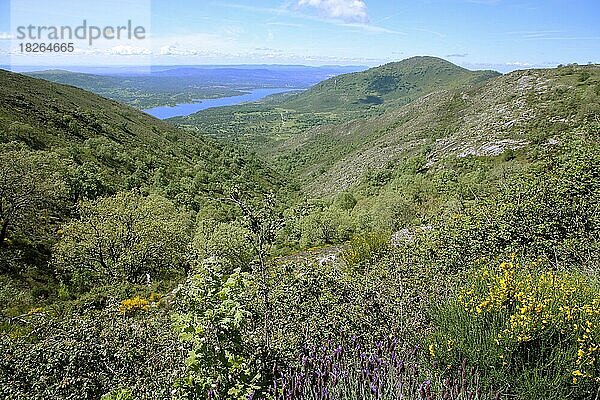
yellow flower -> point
(130, 306)
(432, 350)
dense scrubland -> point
(434, 237)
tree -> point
(31, 191)
(126, 237)
(216, 317)
(226, 314)
(228, 241)
(263, 221)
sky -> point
(479, 34)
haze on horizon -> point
(478, 34)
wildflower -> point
(133, 305)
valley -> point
(145, 88)
(432, 227)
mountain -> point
(355, 96)
(330, 135)
(522, 110)
(436, 192)
(117, 147)
(385, 86)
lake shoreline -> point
(185, 109)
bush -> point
(552, 214)
(379, 370)
(119, 394)
(228, 241)
(323, 227)
(533, 329)
(32, 198)
(366, 248)
(88, 356)
(133, 305)
(127, 237)
(215, 317)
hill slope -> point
(343, 98)
(328, 138)
(521, 109)
(116, 146)
(388, 85)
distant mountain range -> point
(161, 86)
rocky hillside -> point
(507, 112)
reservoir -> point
(181, 110)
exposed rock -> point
(408, 235)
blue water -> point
(186, 109)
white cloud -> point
(345, 10)
(197, 44)
(175, 50)
(129, 51)
(519, 64)
(369, 28)
(5, 36)
(286, 24)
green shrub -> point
(215, 317)
(229, 241)
(119, 394)
(366, 248)
(127, 237)
(532, 329)
(87, 356)
(324, 227)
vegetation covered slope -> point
(336, 100)
(461, 268)
(385, 86)
(83, 147)
(139, 91)
(508, 112)
(121, 147)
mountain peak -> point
(393, 83)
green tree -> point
(124, 238)
(216, 318)
(228, 241)
(263, 221)
(326, 226)
(31, 192)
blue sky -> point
(498, 34)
